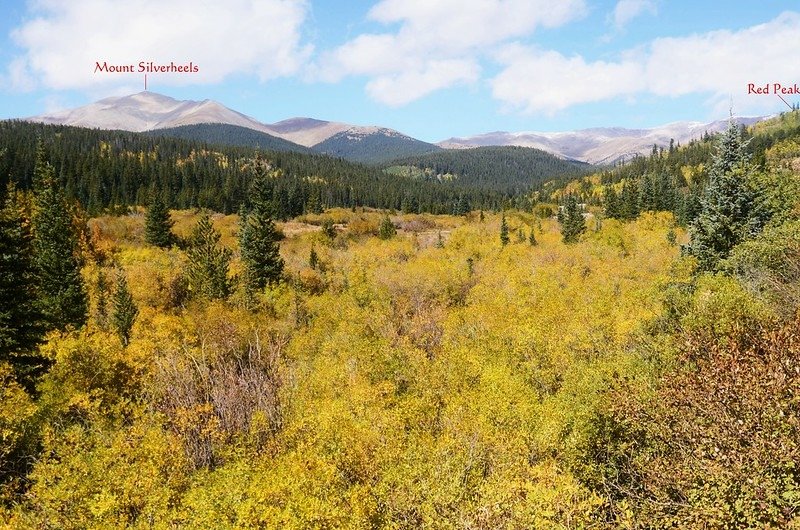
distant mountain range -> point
(163, 115)
(148, 111)
(605, 145)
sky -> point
(432, 69)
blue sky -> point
(429, 68)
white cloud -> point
(62, 40)
(401, 88)
(438, 42)
(547, 82)
(718, 63)
(627, 10)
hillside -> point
(115, 169)
(224, 134)
(511, 169)
(599, 145)
(373, 146)
(675, 179)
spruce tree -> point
(158, 224)
(313, 259)
(21, 322)
(730, 208)
(571, 219)
(386, 229)
(611, 203)
(258, 237)
(101, 311)
(55, 243)
(504, 239)
(125, 311)
(207, 270)
(532, 238)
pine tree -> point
(55, 243)
(612, 203)
(21, 322)
(386, 229)
(313, 259)
(207, 270)
(101, 311)
(158, 224)
(125, 311)
(504, 239)
(532, 238)
(629, 201)
(729, 209)
(571, 219)
(259, 237)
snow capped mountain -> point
(597, 145)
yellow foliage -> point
(420, 386)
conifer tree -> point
(55, 243)
(439, 240)
(125, 311)
(259, 238)
(730, 208)
(158, 224)
(21, 322)
(504, 239)
(386, 229)
(313, 259)
(532, 238)
(611, 203)
(207, 270)
(571, 219)
(101, 310)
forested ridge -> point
(225, 134)
(112, 169)
(375, 148)
(512, 169)
(587, 363)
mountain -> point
(597, 145)
(308, 131)
(503, 168)
(149, 111)
(224, 134)
(373, 145)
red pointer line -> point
(145, 83)
(787, 104)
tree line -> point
(109, 171)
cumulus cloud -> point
(61, 41)
(401, 88)
(438, 43)
(627, 10)
(718, 63)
